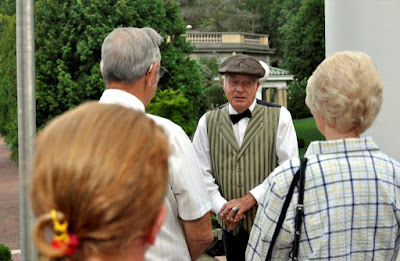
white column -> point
(373, 27)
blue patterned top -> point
(351, 204)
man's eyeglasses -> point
(161, 71)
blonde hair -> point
(346, 90)
(104, 168)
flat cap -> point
(242, 64)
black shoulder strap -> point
(299, 210)
(303, 163)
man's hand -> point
(232, 211)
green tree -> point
(220, 15)
(170, 104)
(7, 7)
(275, 14)
(213, 95)
(8, 83)
(296, 99)
(303, 49)
(69, 35)
(250, 16)
(304, 35)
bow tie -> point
(235, 118)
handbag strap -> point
(299, 210)
(303, 163)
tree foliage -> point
(296, 30)
(8, 83)
(304, 35)
(7, 7)
(5, 253)
(170, 104)
(274, 15)
(213, 95)
(296, 99)
(68, 38)
(221, 15)
(295, 27)
(69, 35)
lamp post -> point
(26, 121)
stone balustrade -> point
(225, 37)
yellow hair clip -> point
(60, 228)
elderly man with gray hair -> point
(238, 145)
(131, 68)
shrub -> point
(172, 105)
(213, 95)
(8, 83)
(5, 253)
(68, 39)
(296, 99)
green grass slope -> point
(307, 129)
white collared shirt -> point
(286, 147)
(240, 127)
(187, 197)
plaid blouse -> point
(351, 205)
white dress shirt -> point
(187, 197)
(286, 147)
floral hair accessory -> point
(62, 237)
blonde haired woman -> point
(352, 189)
(100, 180)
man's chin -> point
(240, 101)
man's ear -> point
(150, 75)
(223, 83)
(258, 85)
(101, 69)
(152, 233)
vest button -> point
(240, 170)
(239, 185)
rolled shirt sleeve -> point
(188, 184)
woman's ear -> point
(155, 227)
(320, 122)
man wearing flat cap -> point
(238, 145)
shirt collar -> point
(340, 146)
(233, 111)
(122, 98)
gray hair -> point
(127, 53)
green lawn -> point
(307, 129)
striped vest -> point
(238, 170)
